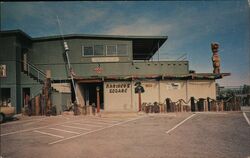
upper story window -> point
(111, 50)
(105, 50)
(98, 50)
(122, 49)
(87, 51)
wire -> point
(60, 28)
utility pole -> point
(66, 50)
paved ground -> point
(141, 136)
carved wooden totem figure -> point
(215, 58)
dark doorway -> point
(5, 96)
(90, 93)
(26, 96)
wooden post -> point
(37, 98)
(206, 105)
(192, 104)
(47, 91)
(98, 99)
(222, 105)
(139, 98)
(181, 106)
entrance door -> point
(26, 96)
(90, 93)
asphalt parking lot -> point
(222, 134)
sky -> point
(191, 26)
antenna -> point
(66, 50)
(60, 29)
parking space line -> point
(30, 129)
(95, 122)
(104, 119)
(213, 113)
(244, 114)
(23, 121)
(97, 130)
(76, 123)
(45, 133)
(87, 129)
(180, 123)
(57, 129)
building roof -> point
(144, 47)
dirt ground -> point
(174, 135)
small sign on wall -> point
(3, 71)
(105, 59)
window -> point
(87, 50)
(122, 49)
(3, 71)
(98, 50)
(105, 50)
(111, 50)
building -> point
(112, 63)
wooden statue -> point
(215, 58)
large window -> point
(98, 50)
(122, 49)
(111, 50)
(87, 51)
(105, 50)
(3, 71)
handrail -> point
(34, 67)
(39, 73)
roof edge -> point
(53, 37)
(16, 31)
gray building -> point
(112, 63)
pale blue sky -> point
(191, 27)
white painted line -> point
(76, 127)
(99, 123)
(57, 129)
(35, 121)
(45, 133)
(215, 113)
(86, 124)
(100, 129)
(17, 122)
(104, 121)
(244, 114)
(179, 124)
(30, 129)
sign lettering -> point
(118, 88)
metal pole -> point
(66, 48)
(71, 76)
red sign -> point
(98, 70)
